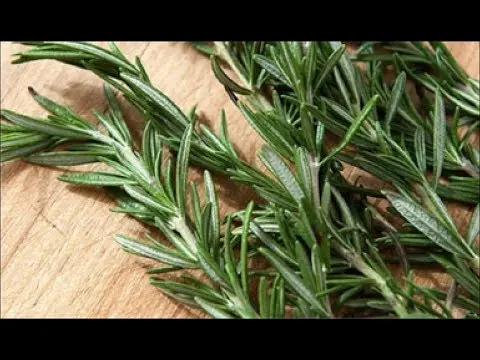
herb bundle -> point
(403, 112)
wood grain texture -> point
(57, 254)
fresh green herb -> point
(324, 242)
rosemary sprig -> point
(316, 230)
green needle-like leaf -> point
(352, 130)
(141, 196)
(420, 152)
(156, 97)
(244, 247)
(473, 226)
(263, 298)
(63, 158)
(45, 127)
(439, 134)
(331, 62)
(305, 267)
(225, 80)
(96, 179)
(214, 224)
(428, 225)
(271, 68)
(397, 93)
(294, 281)
(25, 151)
(153, 253)
(182, 169)
(282, 172)
(211, 309)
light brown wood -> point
(57, 254)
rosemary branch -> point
(315, 229)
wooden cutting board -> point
(57, 254)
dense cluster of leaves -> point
(406, 118)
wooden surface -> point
(57, 254)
